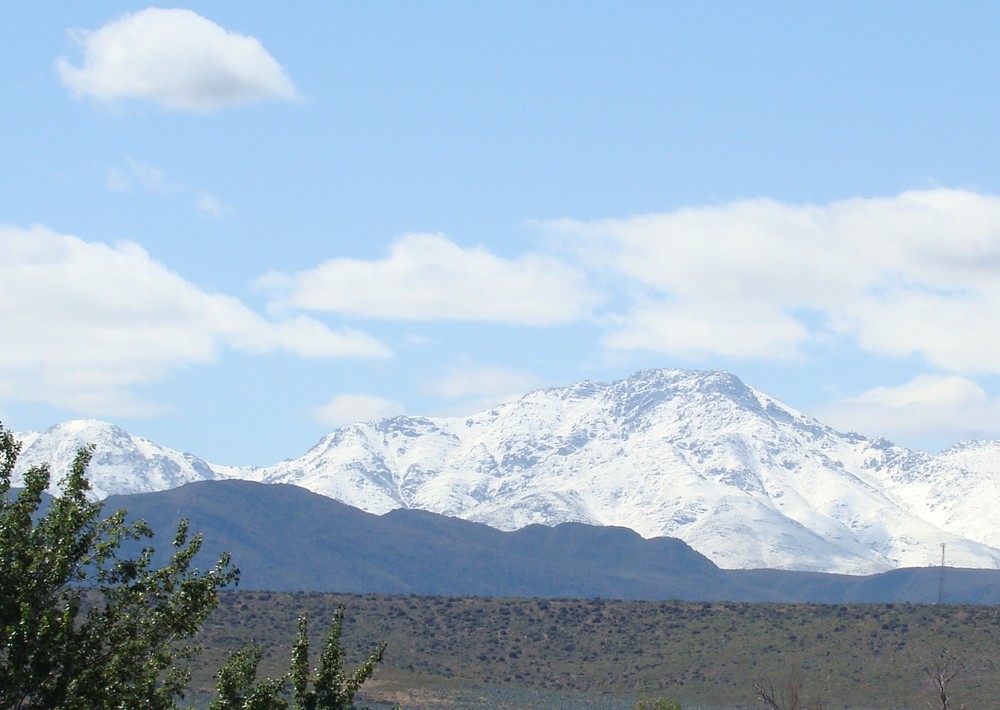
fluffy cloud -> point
(175, 58)
(474, 388)
(692, 330)
(935, 408)
(344, 409)
(427, 276)
(84, 322)
(912, 275)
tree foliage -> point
(83, 625)
(328, 687)
(237, 687)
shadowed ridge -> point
(286, 538)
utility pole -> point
(941, 577)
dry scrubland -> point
(447, 652)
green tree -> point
(332, 688)
(237, 687)
(83, 625)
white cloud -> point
(917, 274)
(344, 409)
(484, 384)
(426, 277)
(84, 322)
(209, 205)
(954, 330)
(937, 408)
(175, 58)
(692, 330)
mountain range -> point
(285, 538)
(696, 455)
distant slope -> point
(287, 538)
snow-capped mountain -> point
(700, 456)
(121, 463)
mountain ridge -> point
(696, 455)
(286, 538)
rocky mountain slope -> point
(700, 456)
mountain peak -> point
(74, 426)
(120, 463)
(692, 383)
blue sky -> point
(231, 229)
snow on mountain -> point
(700, 456)
(740, 477)
(956, 490)
(121, 463)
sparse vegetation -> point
(661, 702)
(700, 654)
